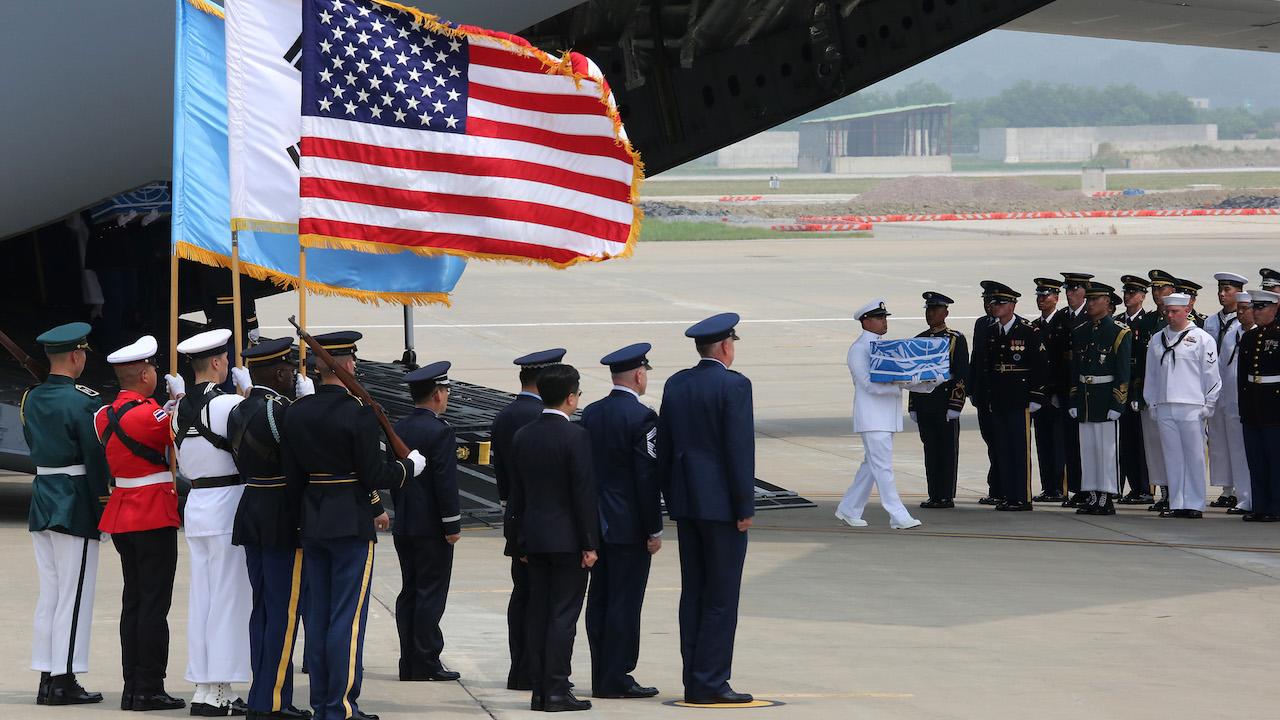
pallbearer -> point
(1259, 388)
(1047, 423)
(937, 413)
(974, 383)
(1100, 350)
(1226, 456)
(1229, 405)
(266, 524)
(66, 502)
(1162, 285)
(1058, 384)
(1131, 451)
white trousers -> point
(1182, 437)
(68, 568)
(876, 469)
(218, 609)
(1227, 465)
(1099, 471)
(1151, 447)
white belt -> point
(145, 480)
(65, 470)
(1264, 379)
(1096, 379)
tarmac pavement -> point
(975, 614)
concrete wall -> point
(904, 164)
(773, 149)
(1077, 144)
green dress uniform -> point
(67, 497)
(1100, 352)
(937, 415)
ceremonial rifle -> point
(354, 387)
(33, 366)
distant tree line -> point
(1029, 104)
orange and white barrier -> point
(740, 198)
(824, 227)
(1041, 215)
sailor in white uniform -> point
(1226, 436)
(221, 598)
(1181, 387)
(877, 415)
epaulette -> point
(22, 405)
(88, 391)
(1026, 323)
(358, 400)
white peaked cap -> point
(1230, 277)
(1263, 296)
(205, 341)
(873, 306)
(144, 348)
(1244, 297)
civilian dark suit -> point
(523, 410)
(426, 511)
(706, 468)
(554, 513)
(623, 441)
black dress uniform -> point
(1011, 362)
(1046, 424)
(334, 458)
(974, 383)
(940, 434)
(1058, 382)
(624, 436)
(1131, 450)
(524, 409)
(266, 525)
(1258, 380)
(426, 512)
(1151, 325)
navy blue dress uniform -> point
(427, 513)
(1152, 323)
(524, 409)
(1132, 450)
(334, 458)
(706, 468)
(624, 435)
(1058, 382)
(1270, 279)
(1258, 381)
(266, 526)
(1010, 360)
(977, 390)
(1192, 288)
(554, 516)
(937, 414)
(1047, 426)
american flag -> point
(451, 139)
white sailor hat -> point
(143, 349)
(1244, 297)
(207, 343)
(1263, 296)
(1177, 300)
(1230, 278)
(875, 308)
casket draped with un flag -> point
(911, 360)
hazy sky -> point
(990, 63)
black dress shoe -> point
(1222, 502)
(635, 691)
(64, 690)
(1080, 499)
(564, 703)
(1237, 510)
(361, 715)
(442, 675)
(1172, 513)
(1264, 517)
(1193, 514)
(236, 708)
(728, 697)
(291, 713)
(158, 701)
(42, 692)
(1159, 506)
(988, 500)
(1018, 506)
(1048, 497)
(536, 703)
(1103, 507)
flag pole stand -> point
(236, 320)
(302, 306)
(410, 357)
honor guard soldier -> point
(1011, 360)
(1225, 424)
(1047, 423)
(937, 413)
(428, 523)
(335, 457)
(1192, 289)
(1131, 450)
(1229, 406)
(706, 468)
(266, 525)
(1162, 285)
(220, 599)
(1100, 351)
(67, 494)
(142, 518)
(624, 434)
(524, 409)
(1059, 381)
(1258, 383)
(977, 397)
(1270, 279)
(1181, 388)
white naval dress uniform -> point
(1228, 467)
(877, 415)
(220, 599)
(1181, 387)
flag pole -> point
(173, 346)
(236, 321)
(302, 305)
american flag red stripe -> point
(469, 144)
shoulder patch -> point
(160, 415)
(88, 391)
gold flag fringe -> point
(188, 251)
(207, 7)
(270, 226)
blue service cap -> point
(65, 338)
(339, 343)
(714, 329)
(436, 372)
(932, 299)
(268, 350)
(541, 359)
(628, 358)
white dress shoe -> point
(851, 522)
(912, 522)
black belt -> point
(331, 479)
(215, 482)
(276, 481)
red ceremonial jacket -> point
(151, 506)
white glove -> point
(1133, 405)
(1113, 414)
(1072, 413)
(914, 418)
(953, 415)
(1033, 407)
(1054, 401)
(419, 462)
(304, 386)
(240, 376)
(1206, 412)
(177, 386)
(170, 407)
(253, 336)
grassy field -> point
(683, 230)
(853, 186)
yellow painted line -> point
(846, 695)
(726, 706)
